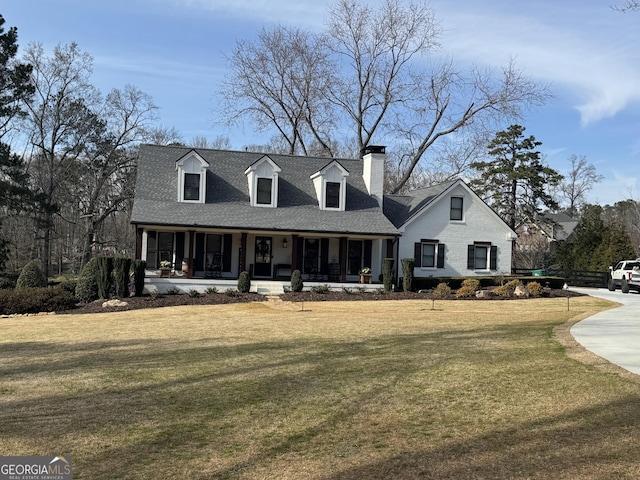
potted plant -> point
(365, 275)
(165, 268)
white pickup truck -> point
(626, 275)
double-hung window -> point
(456, 208)
(482, 256)
(191, 186)
(264, 191)
(333, 195)
(429, 254)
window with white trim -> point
(331, 186)
(192, 175)
(262, 178)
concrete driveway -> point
(614, 334)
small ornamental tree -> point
(244, 282)
(105, 276)
(31, 276)
(139, 267)
(87, 287)
(387, 274)
(121, 273)
(296, 281)
(407, 274)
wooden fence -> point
(576, 278)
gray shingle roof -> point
(227, 202)
(400, 208)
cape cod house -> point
(214, 213)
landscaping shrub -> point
(6, 284)
(87, 287)
(105, 276)
(244, 282)
(193, 293)
(296, 281)
(121, 275)
(35, 300)
(320, 289)
(442, 290)
(508, 288)
(31, 276)
(534, 289)
(211, 290)
(408, 265)
(69, 286)
(387, 274)
(139, 267)
(468, 288)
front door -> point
(263, 257)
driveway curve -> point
(613, 334)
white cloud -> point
(586, 52)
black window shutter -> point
(493, 259)
(226, 252)
(417, 254)
(471, 257)
(368, 246)
(324, 256)
(440, 255)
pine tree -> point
(515, 182)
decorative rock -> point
(521, 292)
(484, 294)
(114, 303)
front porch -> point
(264, 287)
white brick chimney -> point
(373, 157)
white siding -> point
(479, 224)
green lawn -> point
(341, 390)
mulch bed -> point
(134, 303)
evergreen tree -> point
(14, 87)
(515, 182)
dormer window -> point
(262, 178)
(192, 186)
(192, 175)
(265, 191)
(331, 186)
(333, 195)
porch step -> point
(267, 288)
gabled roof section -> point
(189, 156)
(400, 208)
(258, 163)
(403, 209)
(329, 166)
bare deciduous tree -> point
(375, 80)
(627, 6)
(278, 83)
(578, 182)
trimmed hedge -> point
(244, 282)
(139, 267)
(35, 300)
(429, 283)
(87, 287)
(121, 275)
(296, 281)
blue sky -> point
(175, 51)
